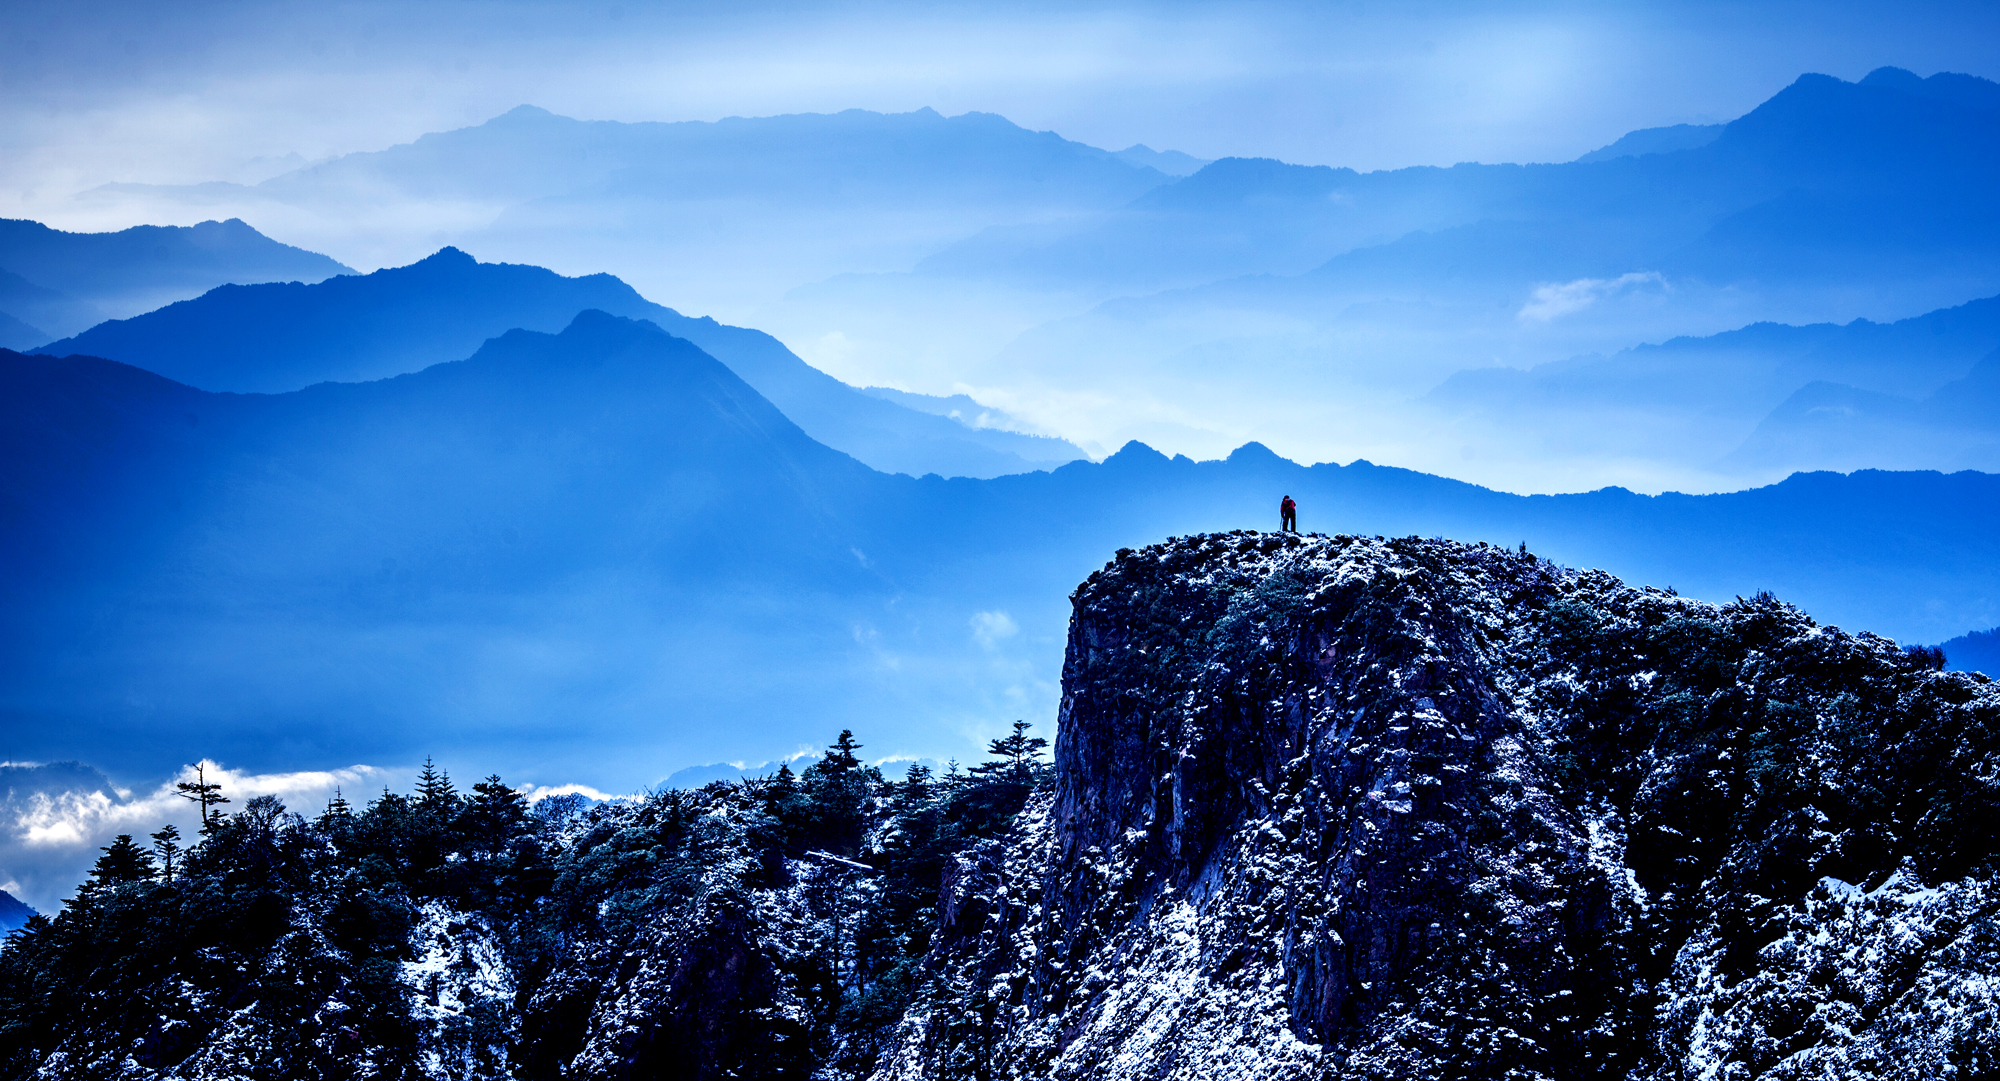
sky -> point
(97, 92)
(117, 91)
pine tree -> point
(915, 790)
(835, 788)
(167, 843)
(123, 861)
(338, 813)
(1016, 756)
(840, 756)
(434, 791)
(204, 793)
(493, 815)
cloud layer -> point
(55, 816)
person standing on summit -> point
(1288, 515)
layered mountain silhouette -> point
(279, 337)
(1758, 402)
(719, 215)
(1656, 141)
(1978, 651)
(1099, 295)
(1829, 202)
(1745, 199)
(1837, 425)
(603, 550)
(59, 282)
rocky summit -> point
(1354, 808)
(1320, 807)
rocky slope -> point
(1353, 808)
(1320, 808)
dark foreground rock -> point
(1320, 808)
(1354, 808)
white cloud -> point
(536, 793)
(1554, 301)
(989, 629)
(55, 816)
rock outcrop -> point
(1320, 808)
(1346, 807)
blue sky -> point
(94, 93)
(97, 92)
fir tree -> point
(167, 843)
(123, 861)
(201, 791)
(338, 816)
(1016, 757)
(434, 791)
(493, 815)
(841, 756)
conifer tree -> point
(167, 843)
(337, 809)
(201, 791)
(1016, 757)
(123, 861)
(434, 791)
(841, 755)
(493, 815)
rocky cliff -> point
(1320, 808)
(1346, 807)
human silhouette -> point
(1288, 513)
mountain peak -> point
(526, 112)
(446, 256)
(1254, 452)
(1900, 78)
(1135, 452)
(595, 322)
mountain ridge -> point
(376, 566)
(274, 338)
(1320, 807)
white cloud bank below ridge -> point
(55, 816)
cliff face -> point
(1320, 808)
(1345, 807)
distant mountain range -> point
(1354, 293)
(12, 912)
(1978, 651)
(603, 554)
(1105, 296)
(280, 337)
(54, 283)
(1763, 400)
(720, 216)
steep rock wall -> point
(1346, 807)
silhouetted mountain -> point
(280, 337)
(15, 334)
(602, 550)
(1170, 162)
(1357, 292)
(82, 277)
(1656, 141)
(719, 215)
(893, 158)
(1820, 143)
(1835, 425)
(27, 304)
(1978, 651)
(1694, 400)
(12, 912)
